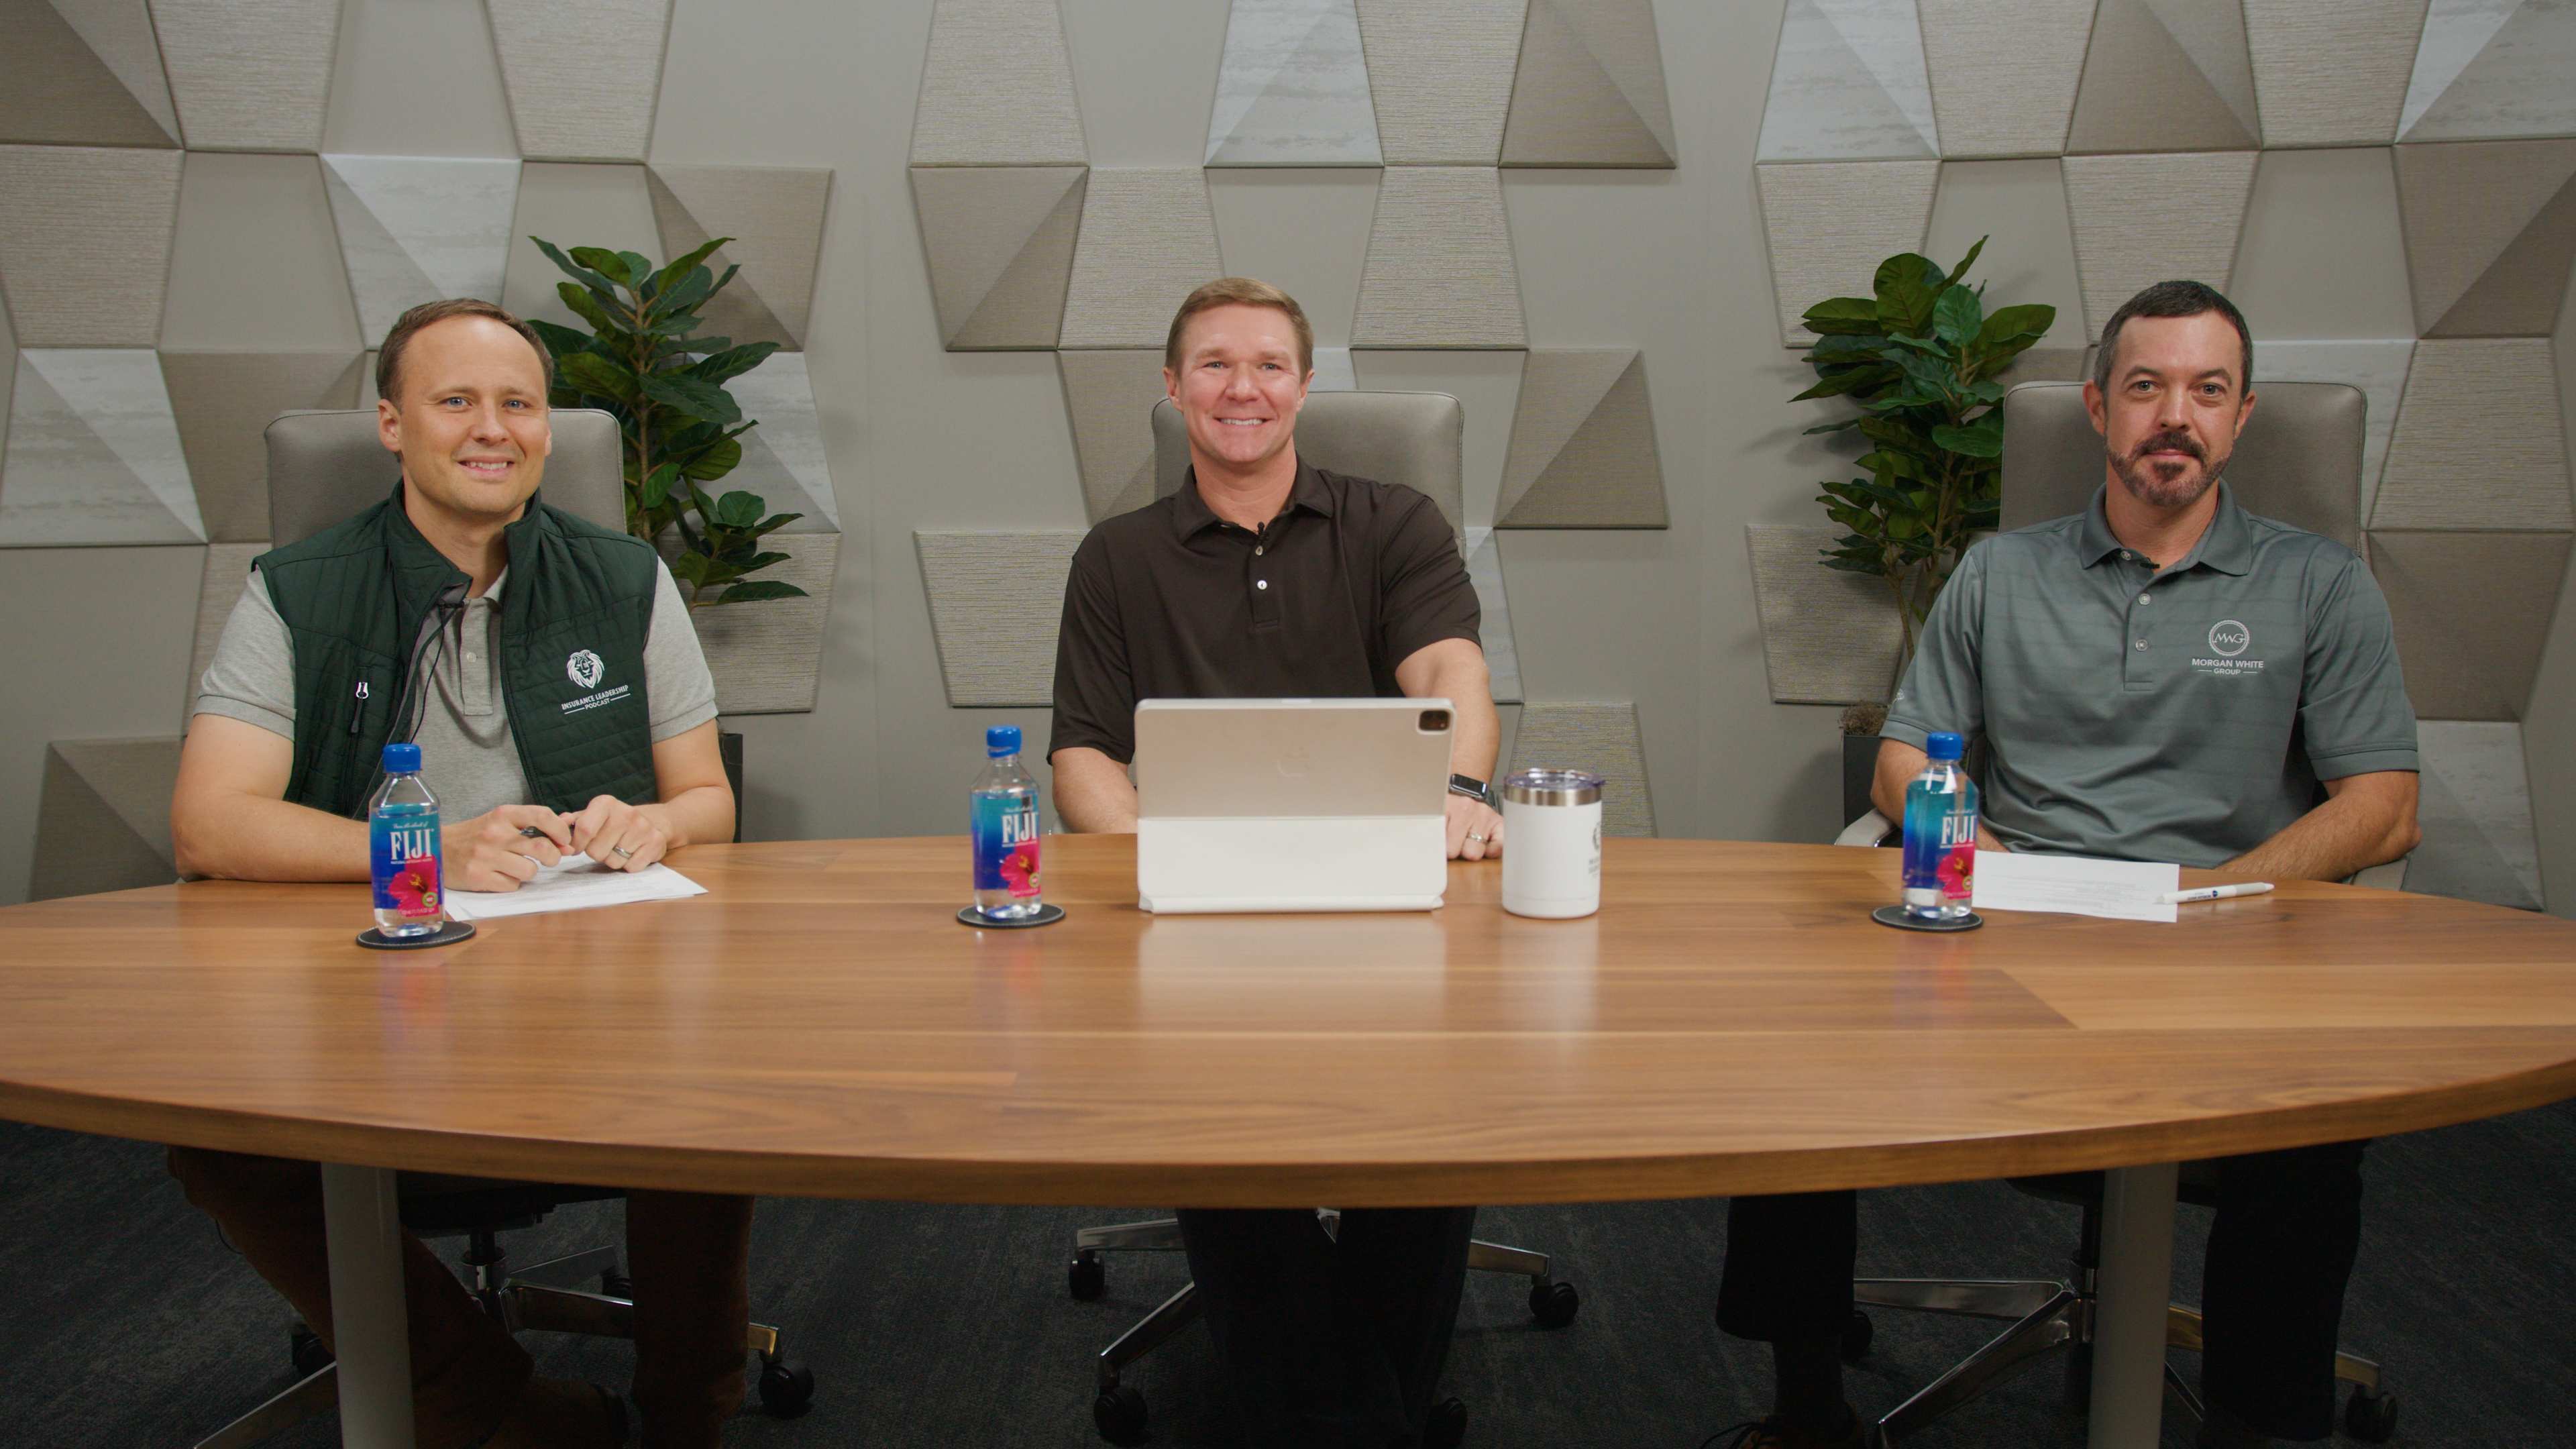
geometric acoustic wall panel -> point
(1828, 637)
(418, 78)
(996, 602)
(2377, 367)
(1589, 90)
(2322, 253)
(85, 243)
(2332, 75)
(253, 263)
(766, 657)
(1848, 85)
(1293, 89)
(87, 76)
(2471, 613)
(103, 820)
(1602, 738)
(220, 590)
(222, 402)
(1110, 396)
(1441, 77)
(1147, 239)
(572, 204)
(249, 75)
(999, 240)
(1484, 553)
(2490, 231)
(1439, 271)
(997, 88)
(2197, 199)
(782, 459)
(1583, 445)
(1831, 223)
(2019, 207)
(2004, 72)
(582, 74)
(414, 229)
(2474, 445)
(2493, 68)
(774, 215)
(93, 455)
(2166, 75)
(1304, 232)
(2475, 809)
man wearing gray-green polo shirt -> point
(2163, 677)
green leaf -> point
(693, 396)
(1835, 384)
(737, 510)
(597, 375)
(690, 568)
(681, 266)
(733, 362)
(588, 308)
(774, 522)
(754, 590)
(1842, 316)
(1956, 316)
(1967, 261)
(561, 341)
(657, 489)
(716, 460)
(1976, 440)
(1845, 425)
(1851, 566)
(1905, 293)
(577, 272)
(609, 264)
(639, 268)
(2004, 324)
(1843, 347)
(683, 299)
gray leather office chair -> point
(323, 467)
(2300, 462)
(1413, 438)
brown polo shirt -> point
(1323, 602)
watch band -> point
(1474, 789)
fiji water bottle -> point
(402, 845)
(1940, 834)
(1004, 827)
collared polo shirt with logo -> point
(2184, 716)
(1323, 602)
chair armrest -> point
(2386, 877)
(1869, 829)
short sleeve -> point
(1944, 688)
(1095, 691)
(1424, 595)
(2354, 717)
(678, 689)
(252, 676)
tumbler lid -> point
(1553, 787)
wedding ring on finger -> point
(621, 852)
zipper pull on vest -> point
(360, 712)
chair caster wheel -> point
(304, 1346)
(1447, 1427)
(1086, 1278)
(786, 1389)
(2369, 1417)
(1119, 1413)
(617, 1285)
(1553, 1305)
(1857, 1332)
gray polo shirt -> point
(467, 756)
(2186, 716)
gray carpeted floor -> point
(126, 1323)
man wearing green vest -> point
(548, 669)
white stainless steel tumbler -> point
(1552, 843)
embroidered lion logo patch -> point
(585, 668)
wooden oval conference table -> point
(820, 1024)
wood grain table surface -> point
(820, 1024)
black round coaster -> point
(447, 935)
(1046, 916)
(1895, 916)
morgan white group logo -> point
(2230, 637)
(585, 668)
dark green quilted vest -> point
(574, 614)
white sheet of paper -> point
(2075, 885)
(576, 884)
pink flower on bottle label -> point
(1020, 869)
(414, 887)
(1959, 872)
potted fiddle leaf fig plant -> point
(644, 363)
(1919, 360)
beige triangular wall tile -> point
(999, 244)
(2490, 231)
(2004, 72)
(2476, 445)
(1602, 738)
(1148, 239)
(93, 455)
(1110, 396)
(997, 88)
(774, 215)
(249, 77)
(1831, 223)
(2159, 76)
(582, 75)
(1583, 446)
(1848, 84)
(222, 403)
(2332, 75)
(2471, 613)
(58, 88)
(1441, 77)
(85, 242)
(996, 602)
(2199, 201)
(1439, 271)
(1828, 636)
(1590, 88)
(97, 825)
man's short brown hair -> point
(389, 357)
(1245, 292)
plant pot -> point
(1860, 764)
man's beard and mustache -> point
(2169, 482)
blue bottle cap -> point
(1943, 745)
(402, 759)
(1002, 740)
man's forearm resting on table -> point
(229, 816)
(1092, 792)
(1898, 764)
(2368, 819)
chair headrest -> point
(325, 466)
(2298, 460)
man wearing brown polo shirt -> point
(1266, 576)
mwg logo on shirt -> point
(2230, 637)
